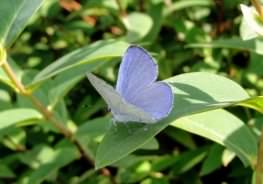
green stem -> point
(259, 166)
(47, 114)
(17, 146)
(121, 9)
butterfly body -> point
(137, 98)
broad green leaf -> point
(252, 45)
(255, 103)
(193, 93)
(84, 59)
(91, 133)
(138, 26)
(225, 129)
(252, 23)
(60, 86)
(179, 5)
(14, 15)
(13, 116)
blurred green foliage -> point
(64, 39)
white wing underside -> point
(121, 110)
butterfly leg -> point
(145, 128)
(128, 128)
(114, 124)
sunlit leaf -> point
(84, 59)
(137, 25)
(179, 5)
(14, 15)
(252, 45)
(13, 116)
(253, 103)
(194, 92)
(225, 129)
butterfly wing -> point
(155, 99)
(137, 70)
(121, 110)
(136, 83)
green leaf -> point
(155, 11)
(152, 144)
(181, 137)
(188, 160)
(255, 103)
(13, 116)
(14, 15)
(179, 5)
(91, 132)
(252, 45)
(227, 157)
(60, 158)
(15, 138)
(38, 155)
(213, 160)
(138, 26)
(5, 100)
(6, 172)
(193, 93)
(84, 59)
(225, 129)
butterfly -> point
(137, 97)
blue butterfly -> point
(138, 97)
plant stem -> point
(18, 147)
(257, 5)
(47, 114)
(122, 11)
(259, 166)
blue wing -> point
(136, 84)
(137, 70)
(155, 99)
